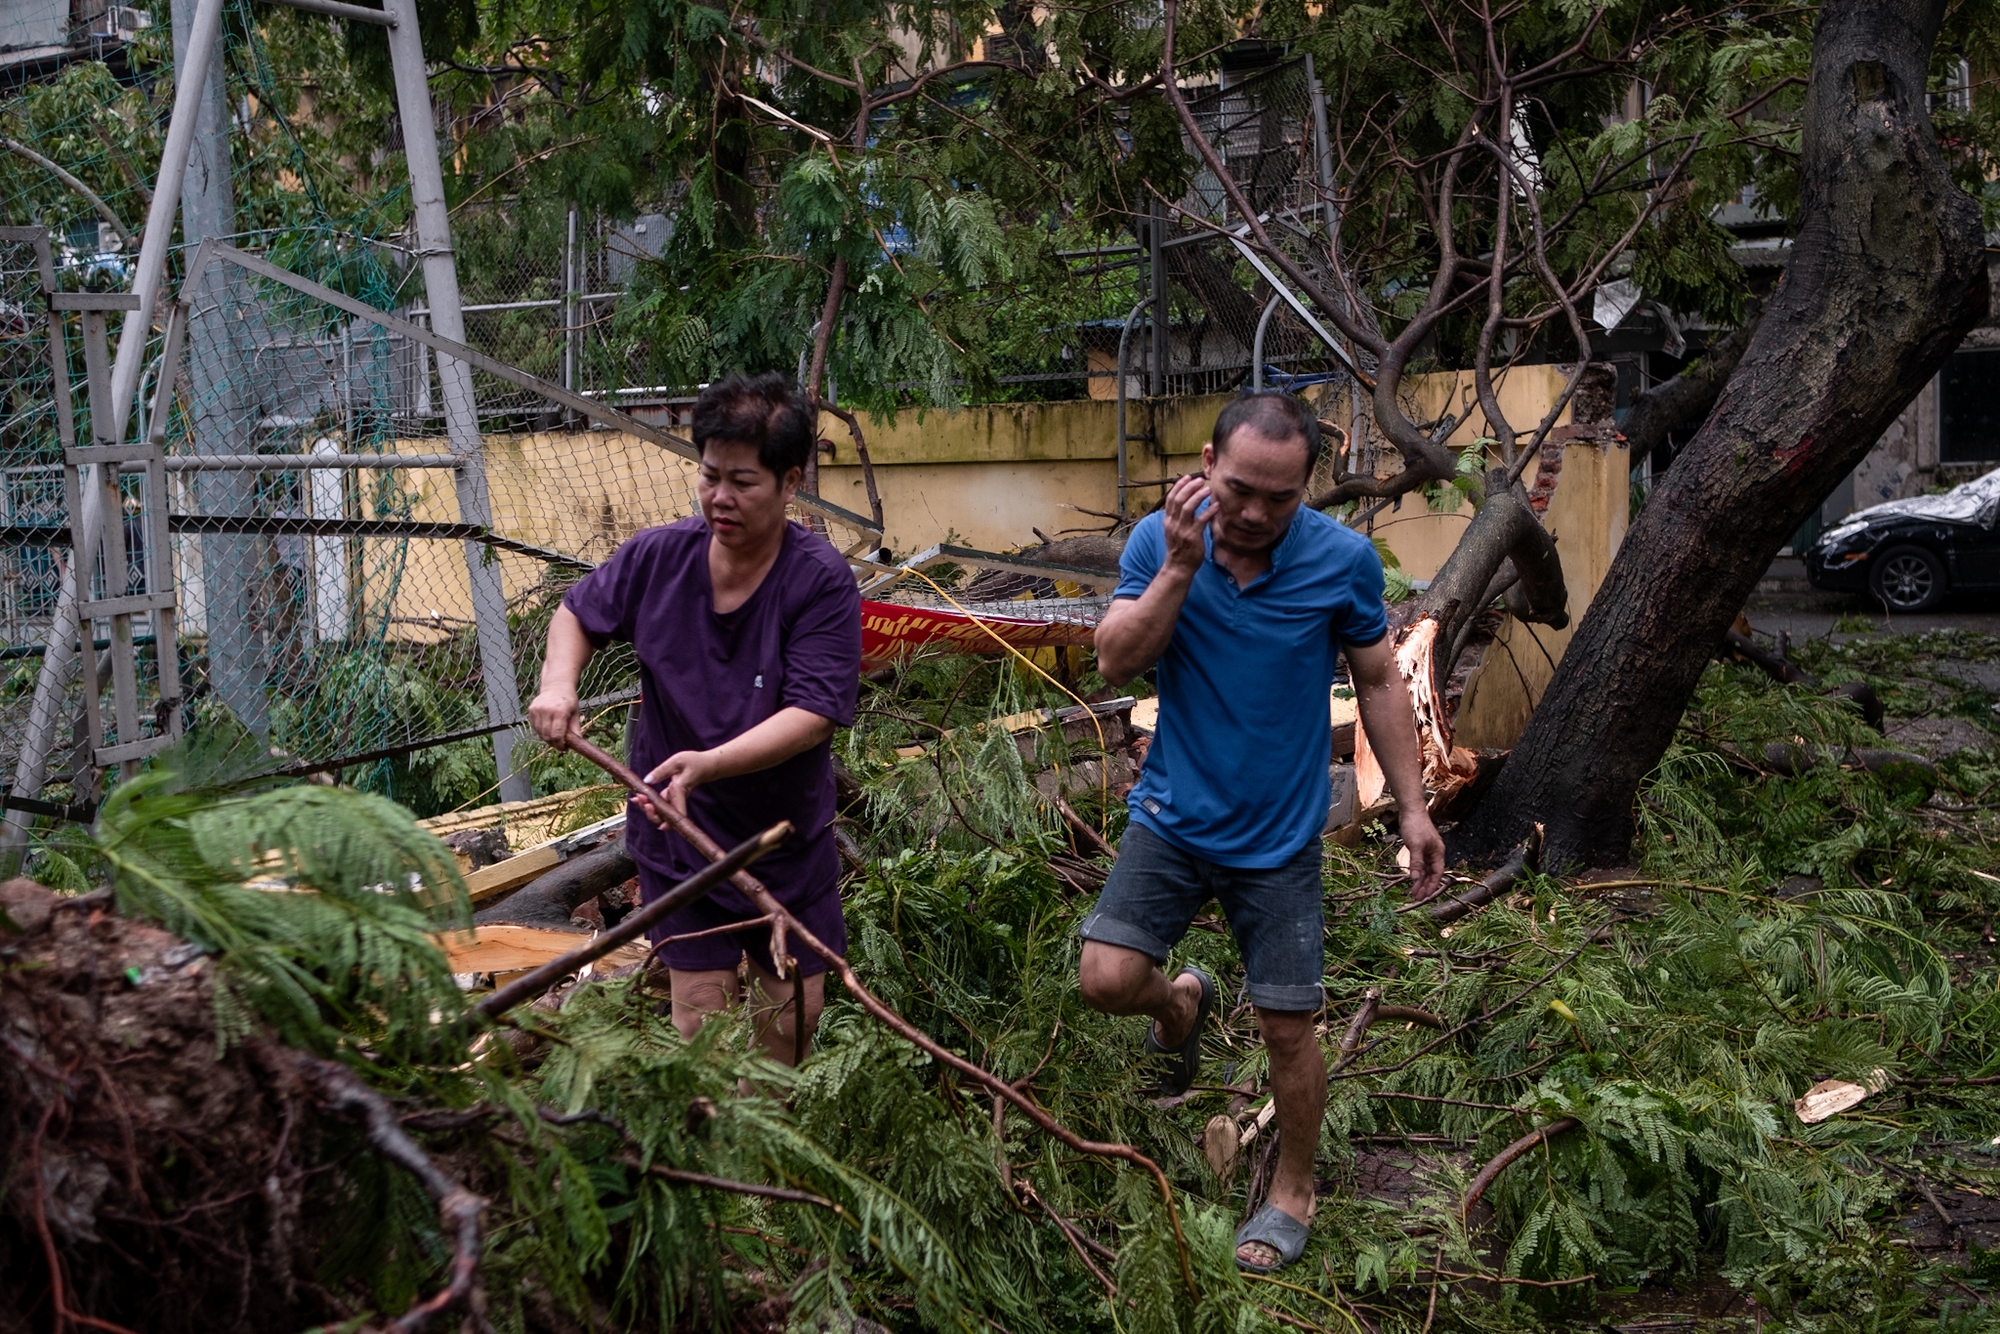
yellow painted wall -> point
(1587, 517)
(985, 476)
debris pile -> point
(1543, 1090)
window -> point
(1969, 408)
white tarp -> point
(1970, 503)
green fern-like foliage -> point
(343, 951)
(1781, 930)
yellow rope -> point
(1104, 765)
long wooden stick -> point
(697, 886)
(698, 839)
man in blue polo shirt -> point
(1245, 600)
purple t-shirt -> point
(708, 678)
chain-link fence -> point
(365, 528)
(335, 531)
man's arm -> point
(555, 710)
(784, 734)
(1383, 699)
(1135, 631)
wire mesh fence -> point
(332, 531)
(364, 545)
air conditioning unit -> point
(121, 23)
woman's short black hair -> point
(1273, 414)
(767, 411)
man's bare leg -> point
(1115, 980)
(696, 996)
(1298, 1083)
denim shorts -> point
(1277, 914)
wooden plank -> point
(490, 882)
(507, 812)
(505, 948)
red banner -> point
(888, 631)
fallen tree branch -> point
(1479, 1018)
(1498, 882)
(697, 886)
(1371, 1001)
(761, 898)
(730, 1184)
(1523, 1282)
(549, 899)
(1079, 1243)
(458, 1208)
(1449, 1102)
(1786, 672)
(1506, 1158)
(1385, 1014)
(1082, 827)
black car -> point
(1908, 554)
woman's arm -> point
(786, 733)
(555, 710)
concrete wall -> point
(986, 477)
(1587, 515)
(989, 476)
(1906, 460)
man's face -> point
(741, 499)
(1257, 484)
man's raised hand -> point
(1186, 524)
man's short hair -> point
(1273, 414)
(767, 411)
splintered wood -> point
(503, 948)
(1447, 768)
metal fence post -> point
(190, 86)
(222, 420)
(1318, 93)
(1156, 384)
(570, 308)
(433, 235)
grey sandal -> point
(1277, 1229)
(1186, 1065)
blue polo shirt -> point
(1237, 773)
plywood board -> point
(490, 882)
(504, 948)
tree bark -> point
(1689, 396)
(1887, 275)
(549, 900)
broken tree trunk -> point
(1505, 550)
(549, 900)
(1886, 276)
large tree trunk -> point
(1887, 275)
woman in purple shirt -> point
(748, 632)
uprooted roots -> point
(156, 1179)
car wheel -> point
(1907, 579)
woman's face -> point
(742, 500)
